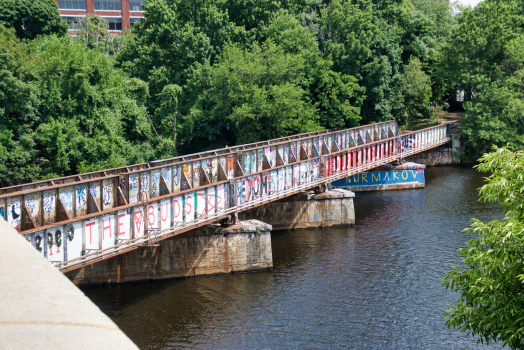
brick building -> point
(120, 14)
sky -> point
(471, 3)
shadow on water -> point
(376, 285)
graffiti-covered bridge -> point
(79, 220)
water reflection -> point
(376, 285)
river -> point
(373, 286)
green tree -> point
(65, 110)
(414, 93)
(336, 95)
(32, 17)
(485, 58)
(364, 45)
(490, 284)
(250, 95)
(174, 35)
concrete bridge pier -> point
(208, 250)
(307, 210)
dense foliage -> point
(491, 304)
(486, 58)
(31, 18)
(203, 74)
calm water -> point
(373, 286)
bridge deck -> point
(79, 220)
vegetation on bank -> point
(491, 280)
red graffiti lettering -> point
(138, 220)
(106, 227)
(151, 213)
(120, 223)
(89, 225)
(176, 208)
(189, 208)
(162, 210)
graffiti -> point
(49, 203)
(177, 210)
(285, 158)
(196, 174)
(38, 242)
(81, 198)
(107, 195)
(214, 169)
(144, 183)
(176, 177)
(303, 173)
(256, 187)
(2, 212)
(265, 184)
(123, 184)
(247, 164)
(330, 216)
(32, 202)
(230, 167)
(296, 175)
(249, 189)
(281, 179)
(14, 214)
(408, 143)
(260, 158)
(221, 197)
(70, 235)
(133, 189)
(155, 183)
(289, 176)
(166, 175)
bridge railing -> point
(98, 175)
(93, 220)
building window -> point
(134, 21)
(136, 5)
(74, 22)
(114, 23)
(107, 5)
(72, 4)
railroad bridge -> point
(80, 220)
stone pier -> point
(208, 250)
(386, 177)
(307, 210)
(442, 155)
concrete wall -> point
(205, 251)
(439, 156)
(387, 177)
(307, 210)
(41, 309)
